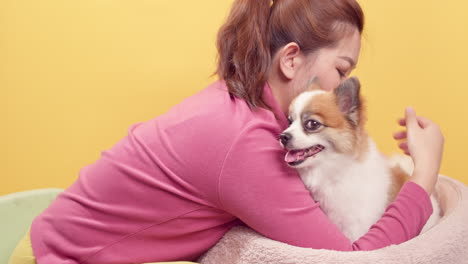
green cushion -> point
(17, 210)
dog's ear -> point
(348, 99)
(313, 84)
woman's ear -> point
(290, 60)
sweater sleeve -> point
(258, 187)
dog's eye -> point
(312, 125)
(289, 120)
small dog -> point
(339, 163)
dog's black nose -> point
(284, 138)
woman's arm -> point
(261, 190)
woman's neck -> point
(279, 90)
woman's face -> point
(332, 65)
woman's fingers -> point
(403, 146)
(422, 121)
(400, 135)
(402, 122)
(411, 118)
(406, 151)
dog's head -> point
(323, 124)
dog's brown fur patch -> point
(324, 106)
(345, 138)
(363, 138)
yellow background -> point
(74, 75)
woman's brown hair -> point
(256, 29)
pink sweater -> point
(172, 187)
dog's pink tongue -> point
(294, 155)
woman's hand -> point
(424, 142)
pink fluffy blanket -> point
(446, 242)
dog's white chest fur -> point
(353, 194)
(338, 162)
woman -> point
(177, 183)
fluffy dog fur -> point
(337, 160)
